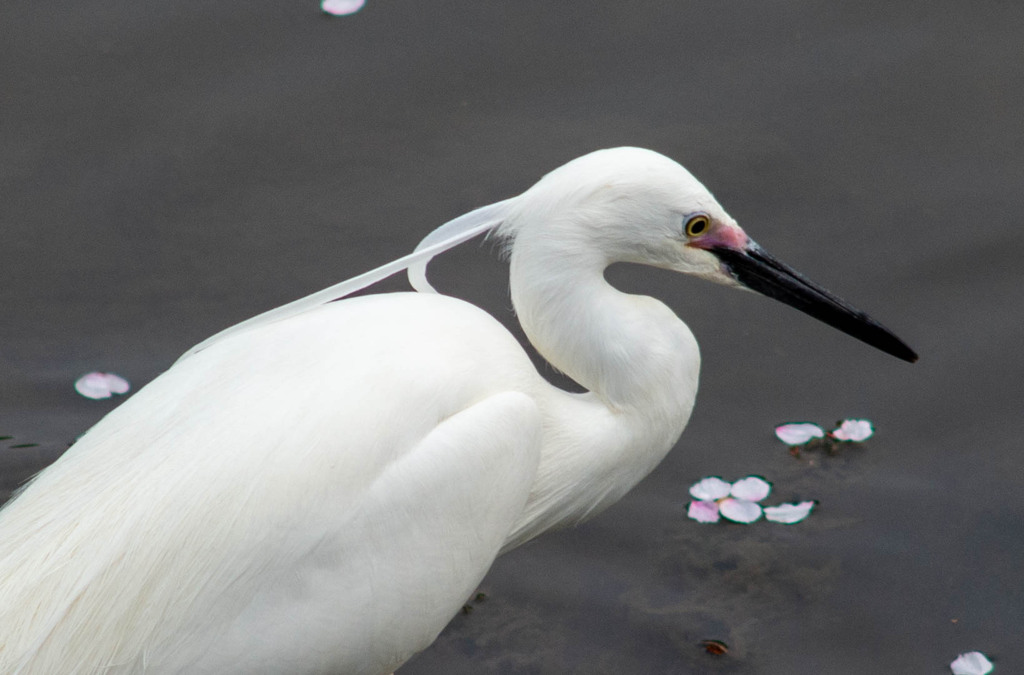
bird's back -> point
(272, 503)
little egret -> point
(319, 489)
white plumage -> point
(319, 489)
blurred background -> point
(168, 169)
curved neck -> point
(631, 351)
(639, 362)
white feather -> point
(318, 489)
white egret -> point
(319, 489)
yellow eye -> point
(697, 225)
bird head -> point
(638, 206)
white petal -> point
(788, 513)
(971, 663)
(342, 7)
(853, 430)
(703, 512)
(101, 385)
(751, 488)
(710, 489)
(117, 384)
(92, 385)
(739, 510)
(798, 433)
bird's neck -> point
(631, 351)
(639, 363)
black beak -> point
(753, 267)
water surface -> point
(171, 169)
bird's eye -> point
(697, 225)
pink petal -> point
(788, 513)
(853, 430)
(971, 663)
(751, 489)
(101, 385)
(739, 510)
(798, 433)
(342, 7)
(710, 489)
(703, 512)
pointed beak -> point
(755, 268)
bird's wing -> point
(381, 588)
(336, 483)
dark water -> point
(167, 169)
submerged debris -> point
(715, 647)
(469, 607)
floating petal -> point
(751, 489)
(101, 385)
(342, 7)
(853, 430)
(739, 510)
(703, 512)
(798, 433)
(971, 663)
(710, 489)
(788, 513)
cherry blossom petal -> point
(788, 513)
(703, 512)
(971, 663)
(751, 489)
(101, 385)
(739, 510)
(342, 7)
(798, 433)
(710, 489)
(853, 430)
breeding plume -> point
(320, 488)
